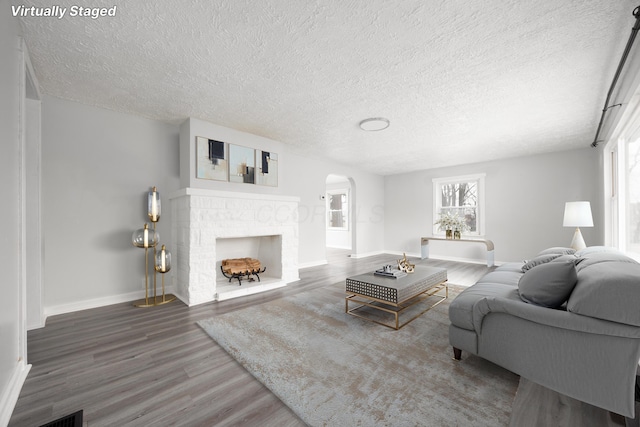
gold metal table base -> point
(154, 301)
(395, 308)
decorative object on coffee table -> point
(389, 271)
(404, 264)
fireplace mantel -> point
(200, 217)
(231, 195)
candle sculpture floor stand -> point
(146, 238)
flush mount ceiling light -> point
(375, 123)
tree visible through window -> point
(461, 200)
(460, 196)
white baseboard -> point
(367, 254)
(400, 254)
(12, 392)
(96, 302)
(32, 326)
(312, 264)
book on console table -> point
(396, 274)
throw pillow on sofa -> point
(538, 260)
(548, 285)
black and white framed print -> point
(241, 164)
(212, 160)
(266, 168)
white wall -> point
(303, 177)
(35, 251)
(524, 205)
(98, 166)
(13, 368)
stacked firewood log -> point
(242, 266)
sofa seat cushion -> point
(515, 267)
(548, 285)
(461, 308)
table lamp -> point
(577, 214)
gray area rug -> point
(333, 369)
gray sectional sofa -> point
(567, 321)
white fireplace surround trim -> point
(231, 195)
(201, 216)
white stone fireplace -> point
(209, 226)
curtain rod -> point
(632, 37)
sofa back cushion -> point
(549, 284)
(607, 289)
(560, 250)
(590, 261)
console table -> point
(424, 243)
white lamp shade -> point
(577, 214)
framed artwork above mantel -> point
(267, 168)
(212, 159)
(242, 163)
(222, 161)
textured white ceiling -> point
(460, 81)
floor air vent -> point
(73, 420)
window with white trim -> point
(461, 196)
(622, 190)
(338, 209)
(622, 183)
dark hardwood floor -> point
(127, 366)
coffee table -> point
(394, 296)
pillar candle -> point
(154, 206)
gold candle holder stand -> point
(153, 211)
